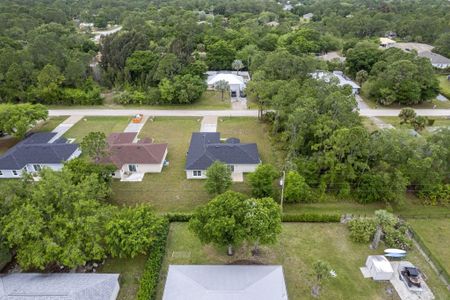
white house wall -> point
(241, 168)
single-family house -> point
(61, 286)
(35, 152)
(206, 148)
(437, 60)
(236, 82)
(386, 42)
(221, 282)
(134, 160)
(340, 78)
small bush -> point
(179, 217)
(438, 194)
(311, 217)
(150, 278)
(148, 97)
(397, 237)
(362, 230)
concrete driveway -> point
(209, 124)
(402, 290)
(65, 126)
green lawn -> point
(106, 125)
(300, 245)
(170, 191)
(50, 124)
(435, 233)
(250, 130)
(444, 85)
(130, 273)
(210, 100)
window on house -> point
(231, 168)
(113, 174)
(132, 168)
(197, 173)
(1, 174)
(15, 173)
(37, 168)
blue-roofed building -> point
(206, 148)
(36, 152)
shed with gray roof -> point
(62, 286)
(206, 148)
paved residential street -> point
(367, 112)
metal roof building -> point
(225, 282)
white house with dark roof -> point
(35, 153)
(237, 81)
(225, 282)
(339, 78)
(206, 148)
(59, 286)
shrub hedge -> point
(312, 217)
(178, 217)
(150, 278)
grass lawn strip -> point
(170, 191)
(107, 125)
(435, 234)
(300, 245)
(130, 270)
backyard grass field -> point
(170, 191)
(299, 246)
(130, 270)
(444, 85)
(435, 233)
(107, 125)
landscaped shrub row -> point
(430, 254)
(311, 217)
(150, 277)
(306, 217)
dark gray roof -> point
(434, 57)
(65, 286)
(205, 148)
(35, 149)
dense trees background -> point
(44, 58)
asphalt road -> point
(367, 112)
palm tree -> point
(237, 65)
(222, 86)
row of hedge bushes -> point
(305, 217)
(442, 271)
(150, 278)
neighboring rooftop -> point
(62, 286)
(435, 58)
(36, 149)
(230, 78)
(244, 74)
(123, 151)
(230, 282)
(419, 47)
(205, 148)
(342, 79)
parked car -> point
(411, 277)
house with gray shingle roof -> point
(61, 286)
(437, 60)
(207, 147)
(36, 152)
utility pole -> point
(282, 182)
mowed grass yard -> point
(435, 233)
(130, 270)
(107, 125)
(170, 191)
(444, 85)
(299, 246)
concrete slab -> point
(237, 177)
(133, 177)
(136, 127)
(209, 124)
(403, 291)
(365, 272)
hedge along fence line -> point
(440, 268)
(150, 278)
(305, 217)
